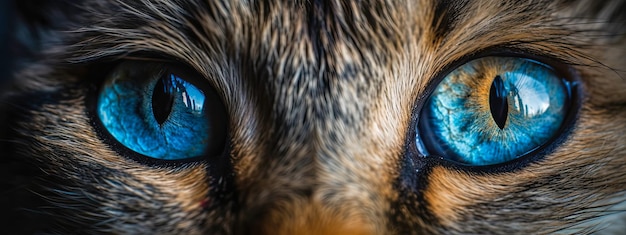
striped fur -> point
(321, 97)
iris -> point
(157, 111)
(492, 110)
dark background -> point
(23, 25)
(5, 55)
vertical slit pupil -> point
(162, 100)
(498, 102)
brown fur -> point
(321, 98)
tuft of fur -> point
(321, 99)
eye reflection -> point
(530, 97)
(192, 97)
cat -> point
(318, 117)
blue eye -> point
(493, 110)
(157, 111)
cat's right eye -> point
(162, 111)
(492, 110)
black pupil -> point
(162, 100)
(498, 102)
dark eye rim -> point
(99, 73)
(561, 68)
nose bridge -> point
(354, 183)
(320, 171)
(323, 172)
(332, 182)
(335, 207)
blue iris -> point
(492, 110)
(155, 111)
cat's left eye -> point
(492, 110)
(162, 111)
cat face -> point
(323, 117)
